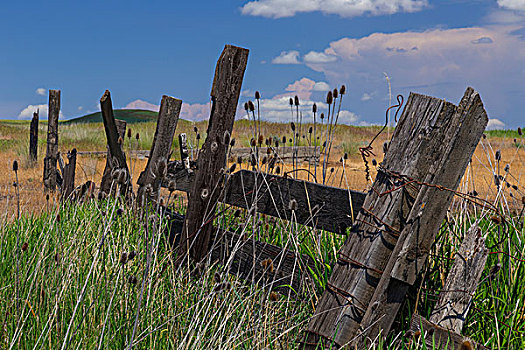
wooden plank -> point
(33, 138)
(385, 212)
(69, 175)
(161, 148)
(105, 183)
(462, 281)
(452, 154)
(50, 161)
(436, 337)
(209, 179)
(183, 148)
(318, 206)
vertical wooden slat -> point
(161, 147)
(105, 183)
(33, 138)
(50, 161)
(184, 154)
(208, 181)
(69, 174)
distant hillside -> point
(129, 115)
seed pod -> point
(342, 90)
(520, 132)
(252, 142)
(496, 219)
(335, 93)
(246, 107)
(25, 246)
(257, 95)
(129, 133)
(322, 116)
(47, 197)
(195, 129)
(232, 168)
(523, 200)
(507, 168)
(232, 142)
(284, 140)
(278, 171)
(292, 125)
(329, 98)
(239, 159)
(345, 155)
(198, 137)
(310, 129)
(374, 162)
(237, 213)
(137, 136)
(314, 108)
(264, 160)
(253, 161)
(15, 166)
(296, 100)
(226, 138)
(251, 106)
(261, 139)
(332, 170)
(498, 155)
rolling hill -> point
(129, 115)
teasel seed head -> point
(314, 108)
(198, 137)
(232, 168)
(322, 116)
(507, 168)
(498, 155)
(496, 219)
(310, 129)
(195, 129)
(345, 156)
(47, 197)
(251, 106)
(292, 205)
(257, 95)
(239, 159)
(15, 166)
(253, 161)
(374, 162)
(137, 136)
(232, 142)
(253, 142)
(246, 107)
(342, 90)
(284, 140)
(25, 246)
(264, 160)
(335, 93)
(296, 100)
(274, 296)
(261, 139)
(291, 101)
(278, 170)
(329, 98)
(520, 132)
(292, 125)
(129, 133)
(237, 213)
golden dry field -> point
(14, 144)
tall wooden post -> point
(105, 183)
(33, 138)
(50, 161)
(69, 174)
(115, 141)
(208, 183)
(432, 143)
(161, 148)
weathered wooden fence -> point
(393, 226)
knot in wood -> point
(214, 146)
(204, 193)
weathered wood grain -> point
(105, 183)
(50, 161)
(461, 283)
(183, 148)
(33, 138)
(412, 151)
(208, 182)
(452, 153)
(68, 173)
(436, 337)
(161, 147)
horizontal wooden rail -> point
(316, 205)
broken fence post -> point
(68, 174)
(427, 136)
(209, 177)
(160, 150)
(105, 183)
(50, 161)
(33, 138)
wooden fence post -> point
(455, 298)
(33, 137)
(105, 183)
(115, 141)
(434, 139)
(209, 178)
(161, 148)
(50, 161)
(69, 174)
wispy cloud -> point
(287, 57)
(27, 112)
(41, 91)
(188, 111)
(343, 8)
(512, 4)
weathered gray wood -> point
(69, 174)
(436, 337)
(184, 154)
(33, 138)
(268, 265)
(318, 206)
(50, 161)
(452, 153)
(161, 147)
(209, 180)
(461, 283)
(416, 144)
(105, 183)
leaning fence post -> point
(105, 183)
(33, 138)
(433, 141)
(208, 183)
(115, 141)
(161, 147)
(50, 161)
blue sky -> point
(141, 50)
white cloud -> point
(366, 97)
(318, 57)
(41, 91)
(495, 124)
(141, 104)
(27, 113)
(287, 57)
(343, 8)
(80, 108)
(321, 86)
(512, 4)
